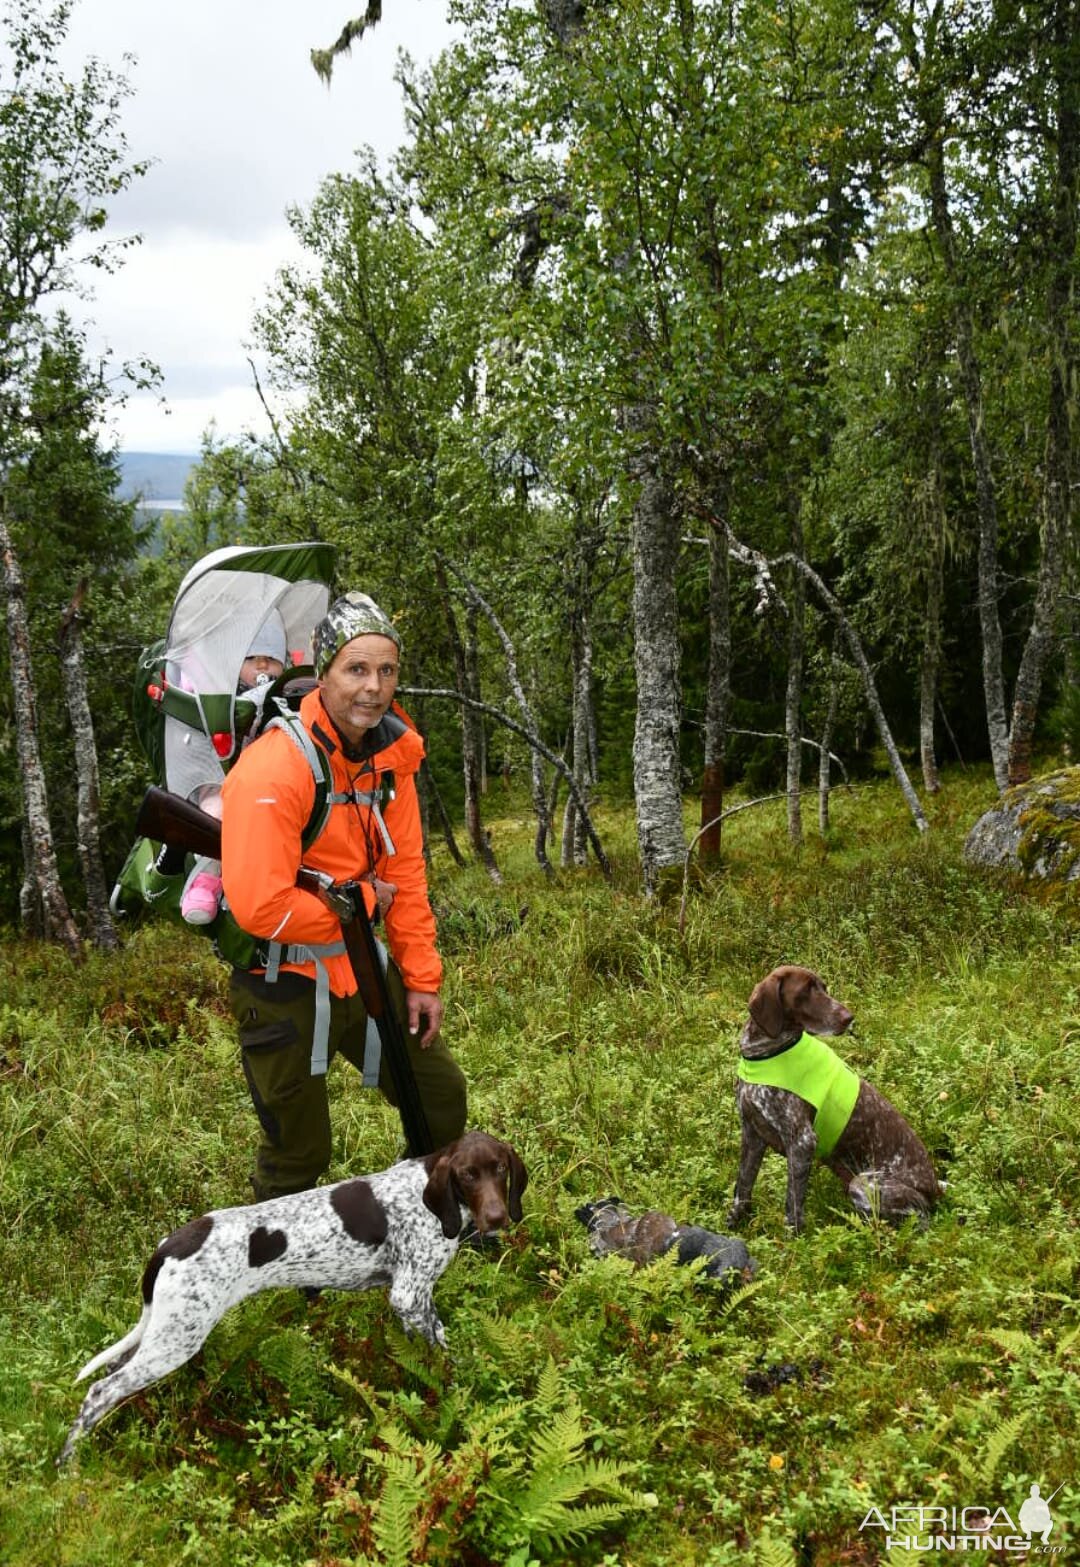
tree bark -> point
(928, 676)
(655, 538)
(718, 691)
(985, 489)
(539, 793)
(102, 929)
(471, 728)
(583, 737)
(793, 696)
(41, 884)
(824, 759)
(930, 660)
(1055, 501)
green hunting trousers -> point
(276, 1023)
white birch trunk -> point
(824, 758)
(1056, 507)
(718, 692)
(88, 830)
(657, 767)
(41, 883)
(793, 698)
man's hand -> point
(385, 892)
(422, 1004)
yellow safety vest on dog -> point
(814, 1071)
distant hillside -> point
(157, 477)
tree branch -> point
(538, 745)
(323, 59)
(543, 823)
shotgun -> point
(169, 818)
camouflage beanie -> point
(352, 615)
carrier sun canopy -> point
(219, 607)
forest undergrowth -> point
(587, 1413)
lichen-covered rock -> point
(1035, 830)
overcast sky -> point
(228, 105)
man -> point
(372, 832)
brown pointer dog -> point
(884, 1167)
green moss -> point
(1049, 823)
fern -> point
(1066, 1344)
(511, 1346)
(394, 1522)
(519, 1478)
(561, 1440)
(571, 1526)
(288, 1356)
(771, 1552)
(399, 1442)
(549, 1509)
(998, 1445)
(1014, 1343)
(994, 1448)
(740, 1296)
(413, 1356)
(549, 1385)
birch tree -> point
(88, 818)
(62, 157)
(992, 115)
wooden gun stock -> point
(169, 818)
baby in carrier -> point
(263, 663)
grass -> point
(590, 1414)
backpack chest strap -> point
(372, 800)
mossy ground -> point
(865, 1368)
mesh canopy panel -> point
(219, 607)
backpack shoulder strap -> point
(292, 725)
(326, 797)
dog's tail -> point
(121, 1350)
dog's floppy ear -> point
(519, 1179)
(441, 1197)
(767, 1005)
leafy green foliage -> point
(863, 1367)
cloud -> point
(142, 425)
(240, 128)
(187, 303)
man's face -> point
(359, 685)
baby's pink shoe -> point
(199, 905)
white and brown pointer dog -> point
(885, 1169)
(399, 1227)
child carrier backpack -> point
(192, 722)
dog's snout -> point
(491, 1213)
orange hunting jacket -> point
(267, 799)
